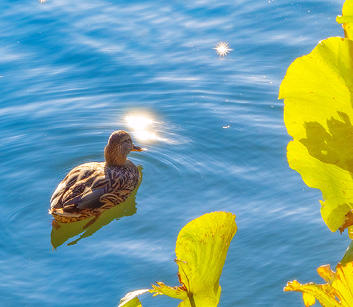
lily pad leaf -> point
(201, 250)
(347, 19)
(131, 300)
(318, 114)
(337, 292)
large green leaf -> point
(201, 250)
(318, 115)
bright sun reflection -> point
(222, 49)
(139, 124)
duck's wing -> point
(82, 187)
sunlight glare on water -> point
(138, 122)
(142, 126)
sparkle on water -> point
(139, 125)
(222, 49)
(138, 122)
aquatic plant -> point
(318, 114)
(337, 292)
(201, 250)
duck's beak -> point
(136, 148)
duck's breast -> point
(122, 180)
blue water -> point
(70, 74)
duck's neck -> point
(114, 156)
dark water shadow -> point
(332, 146)
(66, 231)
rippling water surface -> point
(74, 71)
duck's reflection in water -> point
(62, 232)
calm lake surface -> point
(72, 72)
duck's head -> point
(118, 147)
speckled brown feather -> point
(114, 185)
(91, 188)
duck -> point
(92, 188)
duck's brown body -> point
(91, 188)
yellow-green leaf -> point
(338, 292)
(131, 300)
(348, 255)
(201, 250)
(318, 115)
(135, 302)
(174, 292)
(308, 299)
(347, 18)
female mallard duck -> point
(91, 188)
